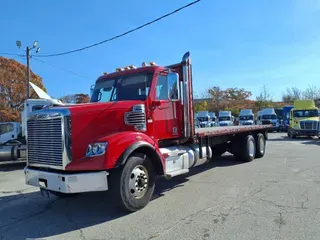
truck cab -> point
(286, 117)
(204, 118)
(9, 131)
(213, 119)
(304, 119)
(246, 117)
(225, 118)
(269, 116)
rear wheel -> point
(247, 149)
(260, 145)
(133, 185)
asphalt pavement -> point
(276, 197)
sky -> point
(243, 44)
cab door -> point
(166, 107)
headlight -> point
(96, 149)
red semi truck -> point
(139, 124)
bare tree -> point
(264, 99)
(265, 95)
(312, 92)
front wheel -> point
(133, 185)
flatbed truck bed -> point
(223, 131)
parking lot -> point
(276, 197)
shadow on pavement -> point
(312, 142)
(11, 166)
(37, 217)
(288, 139)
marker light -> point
(153, 63)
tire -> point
(247, 149)
(134, 183)
(260, 145)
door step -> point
(176, 173)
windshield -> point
(246, 118)
(4, 128)
(273, 116)
(224, 118)
(306, 113)
(133, 87)
(203, 119)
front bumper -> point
(67, 183)
(305, 132)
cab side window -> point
(162, 88)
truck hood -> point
(92, 121)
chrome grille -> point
(136, 118)
(309, 125)
(45, 145)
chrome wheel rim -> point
(261, 145)
(251, 148)
(138, 181)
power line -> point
(11, 54)
(122, 34)
(39, 60)
(63, 69)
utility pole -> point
(28, 71)
(28, 55)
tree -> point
(312, 92)
(264, 99)
(202, 106)
(76, 98)
(292, 94)
(13, 77)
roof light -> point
(105, 73)
(152, 64)
(119, 69)
(132, 67)
(144, 64)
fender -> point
(146, 148)
(124, 156)
(120, 146)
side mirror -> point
(173, 86)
